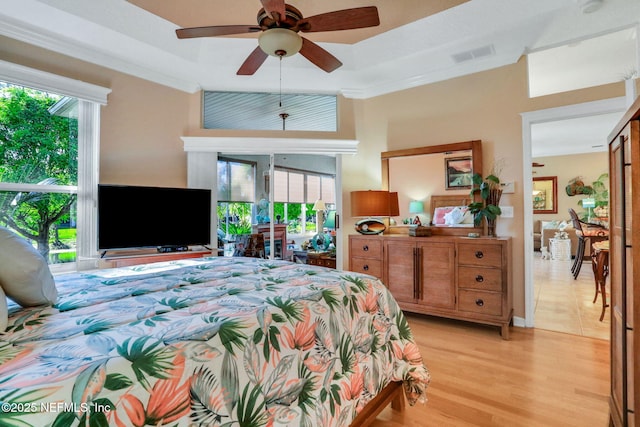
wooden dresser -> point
(624, 173)
(448, 276)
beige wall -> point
(143, 121)
(588, 166)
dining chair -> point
(587, 233)
(250, 245)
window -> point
(48, 161)
(236, 193)
(295, 192)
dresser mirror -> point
(418, 174)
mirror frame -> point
(554, 190)
(476, 153)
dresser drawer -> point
(488, 303)
(367, 266)
(370, 248)
(480, 254)
(322, 262)
(488, 279)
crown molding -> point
(30, 77)
(250, 145)
(46, 40)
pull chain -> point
(280, 81)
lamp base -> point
(370, 226)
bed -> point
(208, 342)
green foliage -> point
(35, 147)
(598, 190)
(484, 209)
(239, 215)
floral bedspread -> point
(208, 342)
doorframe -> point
(605, 106)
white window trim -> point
(90, 98)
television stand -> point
(172, 248)
(146, 256)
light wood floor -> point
(566, 305)
(537, 378)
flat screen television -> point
(142, 217)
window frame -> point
(90, 98)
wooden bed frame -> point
(394, 393)
(452, 200)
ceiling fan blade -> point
(319, 56)
(216, 30)
(252, 63)
(347, 19)
(273, 8)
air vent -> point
(473, 54)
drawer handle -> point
(479, 254)
(365, 267)
(365, 248)
(479, 278)
(479, 302)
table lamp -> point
(589, 203)
(416, 207)
(373, 205)
(319, 206)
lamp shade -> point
(319, 205)
(372, 203)
(416, 207)
(280, 42)
(394, 207)
(589, 203)
(330, 222)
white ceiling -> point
(572, 136)
(402, 53)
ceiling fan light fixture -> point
(280, 42)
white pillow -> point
(4, 312)
(24, 273)
(455, 216)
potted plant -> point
(599, 192)
(488, 208)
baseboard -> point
(519, 322)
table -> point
(560, 249)
(600, 264)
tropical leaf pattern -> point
(208, 342)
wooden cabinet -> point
(321, 259)
(420, 273)
(448, 276)
(624, 172)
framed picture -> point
(459, 172)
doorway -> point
(529, 121)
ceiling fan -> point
(280, 24)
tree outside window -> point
(39, 168)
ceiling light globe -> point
(280, 42)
